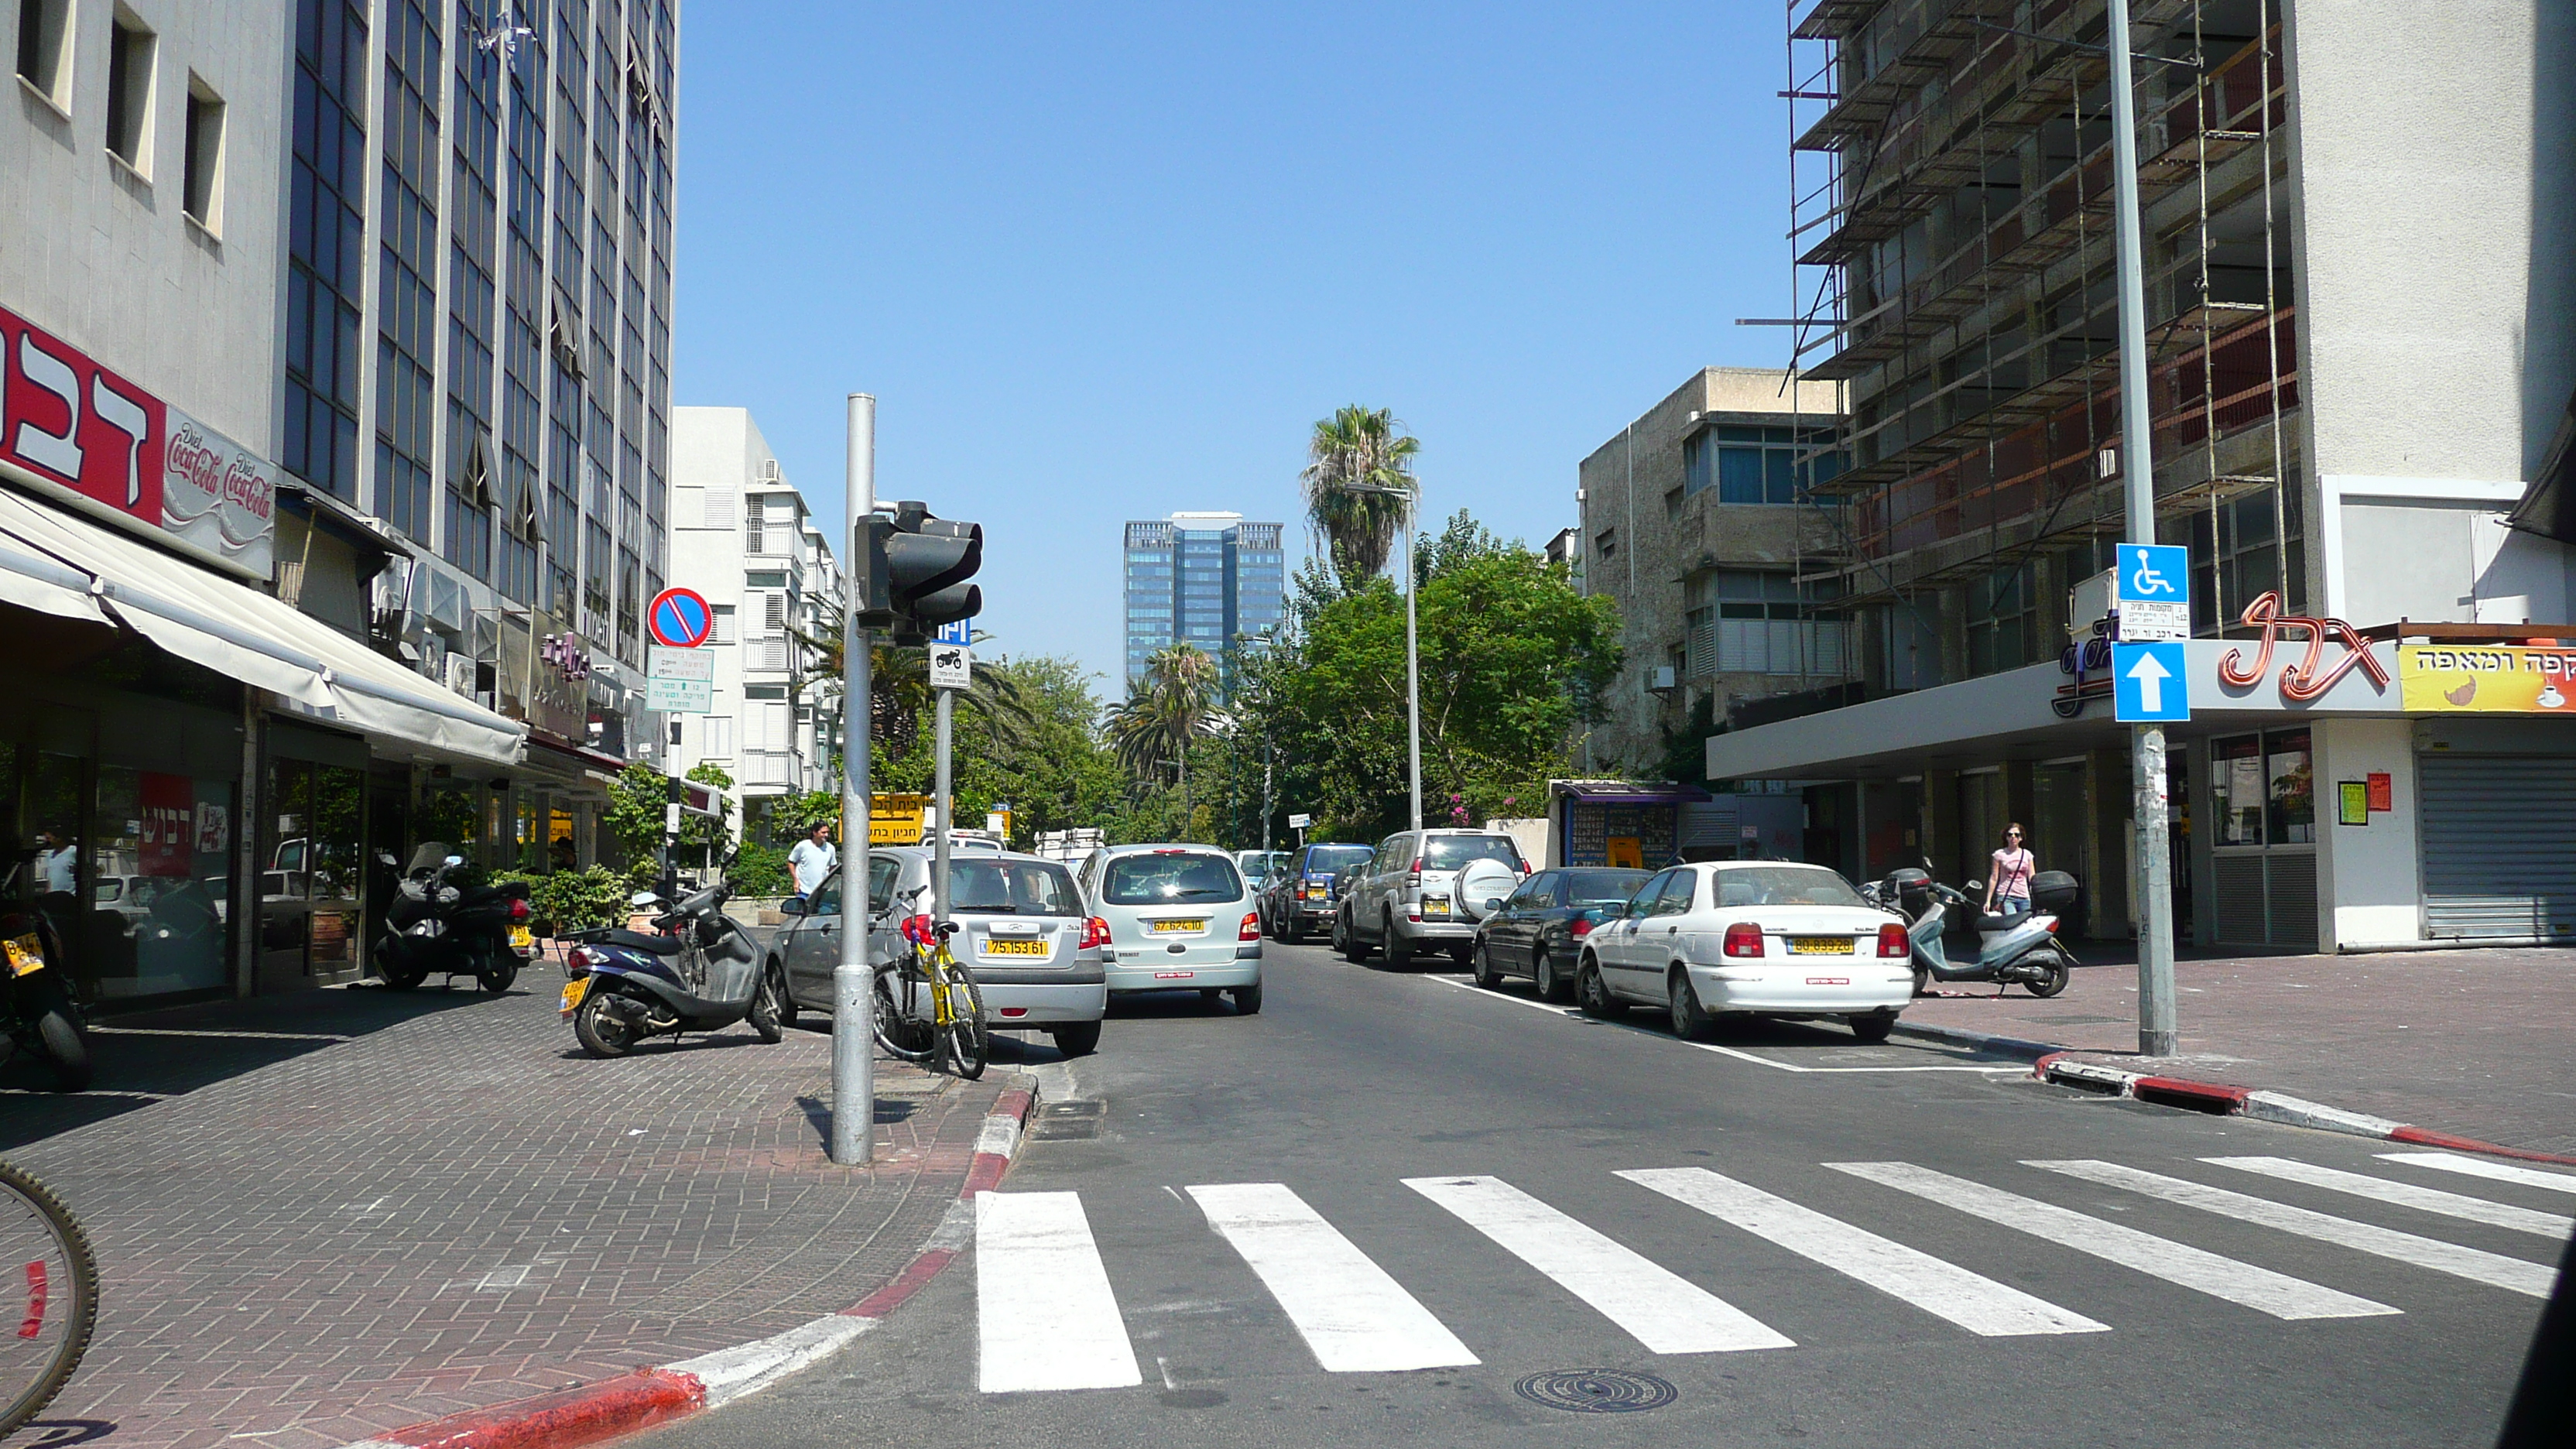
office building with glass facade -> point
(1206, 579)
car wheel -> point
(1347, 941)
(1691, 1022)
(1593, 995)
(1399, 951)
(1247, 1000)
(1543, 977)
(787, 1007)
(1872, 1025)
(1080, 1039)
(1486, 976)
(1290, 931)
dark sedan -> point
(1539, 929)
(1305, 891)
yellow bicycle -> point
(956, 1027)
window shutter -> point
(720, 628)
(1784, 646)
(776, 606)
(719, 512)
(1741, 646)
(719, 737)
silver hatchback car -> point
(1034, 950)
(1180, 918)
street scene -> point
(1847, 721)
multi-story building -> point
(743, 537)
(1701, 520)
(1207, 579)
(2358, 259)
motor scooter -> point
(445, 919)
(36, 1010)
(1939, 920)
(696, 971)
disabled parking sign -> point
(2153, 573)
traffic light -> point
(919, 572)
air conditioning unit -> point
(460, 674)
(2087, 604)
(769, 470)
(1659, 680)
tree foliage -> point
(1355, 450)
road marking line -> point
(1045, 1315)
(1974, 1302)
(1663, 1311)
(2480, 1167)
(2554, 1226)
(2257, 1288)
(2493, 1269)
(1354, 1317)
(2017, 1068)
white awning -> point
(64, 565)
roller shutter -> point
(2499, 845)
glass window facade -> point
(326, 240)
(1758, 465)
(1216, 586)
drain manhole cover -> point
(1597, 1391)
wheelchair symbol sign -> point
(2153, 573)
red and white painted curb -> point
(651, 1396)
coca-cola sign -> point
(219, 495)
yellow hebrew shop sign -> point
(2498, 679)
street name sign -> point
(2149, 684)
(680, 696)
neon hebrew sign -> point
(2300, 682)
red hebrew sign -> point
(72, 422)
(2300, 682)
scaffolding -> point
(1949, 223)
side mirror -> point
(386, 857)
(642, 898)
(792, 906)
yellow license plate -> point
(1435, 910)
(522, 938)
(1172, 927)
(1820, 945)
(26, 955)
(1017, 948)
(574, 991)
(1314, 893)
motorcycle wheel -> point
(2052, 979)
(401, 969)
(602, 1032)
(497, 972)
(1922, 982)
(65, 1044)
(765, 1012)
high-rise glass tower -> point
(1206, 579)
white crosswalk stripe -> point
(2480, 1167)
(1663, 1311)
(2493, 1269)
(2259, 1288)
(2407, 1194)
(1353, 1316)
(1976, 1303)
(1046, 1317)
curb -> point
(650, 1396)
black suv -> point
(1305, 891)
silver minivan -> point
(1180, 918)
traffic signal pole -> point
(2154, 884)
(854, 1064)
(939, 790)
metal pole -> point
(947, 826)
(1412, 664)
(854, 1060)
(1265, 791)
(2154, 892)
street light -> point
(1412, 667)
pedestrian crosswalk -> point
(1049, 1318)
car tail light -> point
(1892, 941)
(1251, 927)
(1579, 926)
(518, 910)
(1743, 939)
(1095, 933)
(1413, 872)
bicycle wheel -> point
(898, 1034)
(968, 1036)
(53, 1284)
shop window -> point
(2289, 782)
(2236, 790)
(311, 873)
(2264, 788)
(161, 876)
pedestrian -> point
(2008, 878)
(813, 858)
(57, 863)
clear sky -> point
(1105, 262)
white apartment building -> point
(742, 536)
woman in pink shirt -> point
(2008, 878)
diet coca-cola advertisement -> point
(219, 495)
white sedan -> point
(1750, 938)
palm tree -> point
(1170, 708)
(899, 683)
(1371, 449)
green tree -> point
(635, 811)
(1170, 709)
(1370, 449)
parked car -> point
(1179, 918)
(1426, 889)
(1033, 948)
(1258, 866)
(1749, 938)
(1303, 895)
(1540, 929)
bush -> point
(759, 870)
(573, 900)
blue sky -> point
(1105, 262)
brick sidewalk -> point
(2478, 1043)
(323, 1216)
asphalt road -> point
(1735, 1255)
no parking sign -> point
(679, 619)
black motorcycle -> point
(36, 1010)
(447, 919)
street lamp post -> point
(1412, 660)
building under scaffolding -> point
(2360, 240)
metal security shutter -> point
(2293, 882)
(1708, 830)
(2499, 845)
(2240, 899)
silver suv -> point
(1411, 897)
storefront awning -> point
(68, 566)
(1613, 792)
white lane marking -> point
(2257, 1288)
(1353, 1316)
(1576, 1014)
(1665, 1312)
(2406, 1194)
(1045, 1315)
(2480, 1167)
(1976, 1303)
(2493, 1269)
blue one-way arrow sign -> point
(2148, 685)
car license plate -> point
(1314, 893)
(1435, 908)
(1829, 981)
(1820, 945)
(26, 955)
(1167, 928)
(574, 990)
(521, 938)
(1016, 948)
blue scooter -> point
(2025, 952)
(697, 971)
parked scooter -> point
(446, 919)
(1940, 921)
(696, 972)
(36, 1010)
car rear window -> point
(1784, 885)
(1149, 880)
(1018, 887)
(1326, 859)
(1601, 887)
(1448, 852)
